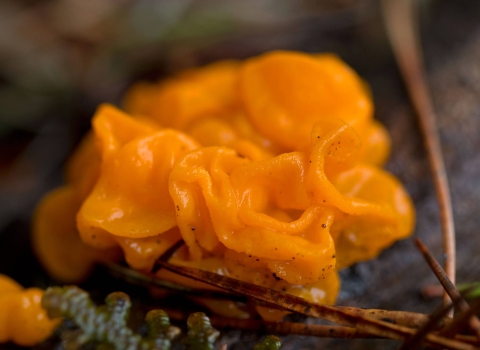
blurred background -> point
(59, 59)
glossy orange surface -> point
(22, 318)
(268, 169)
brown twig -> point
(414, 341)
(148, 280)
(462, 319)
(167, 255)
(296, 304)
(286, 328)
(403, 34)
(295, 328)
(402, 318)
(432, 291)
(457, 298)
(280, 328)
(470, 339)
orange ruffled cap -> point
(268, 167)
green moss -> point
(106, 324)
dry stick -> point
(148, 280)
(457, 298)
(403, 34)
(414, 341)
(463, 319)
(432, 291)
(305, 307)
(167, 255)
(296, 328)
(402, 318)
(470, 339)
(280, 328)
(286, 328)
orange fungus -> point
(268, 169)
(22, 318)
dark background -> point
(60, 59)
